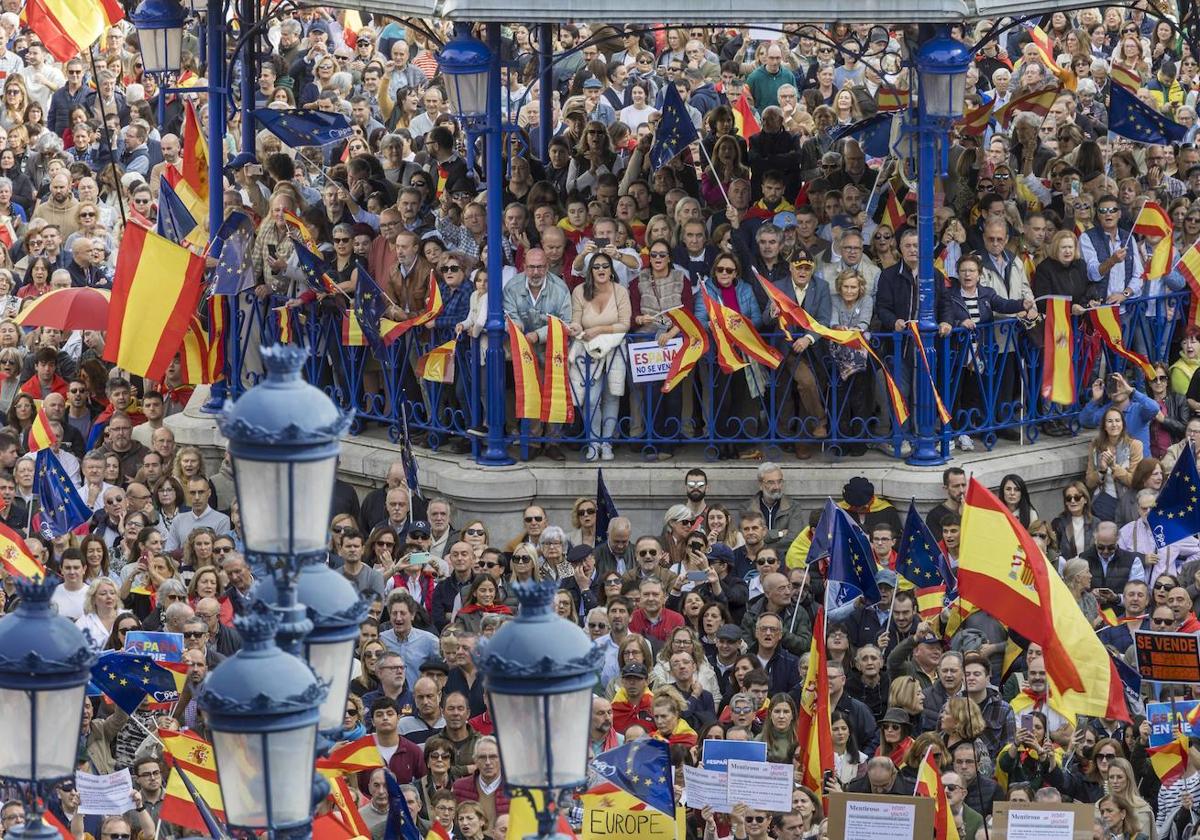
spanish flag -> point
(1058, 348)
(1189, 267)
(40, 436)
(195, 756)
(353, 756)
(525, 377)
(889, 98)
(792, 313)
(1108, 326)
(194, 165)
(433, 308)
(1037, 102)
(194, 355)
(557, 405)
(156, 288)
(1170, 761)
(1042, 41)
(15, 557)
(893, 211)
(352, 334)
(727, 357)
(1125, 77)
(1162, 257)
(69, 27)
(929, 783)
(976, 121)
(1152, 220)
(284, 321)
(346, 803)
(814, 733)
(742, 333)
(216, 337)
(943, 414)
(438, 364)
(743, 117)
(300, 230)
(1002, 569)
(695, 345)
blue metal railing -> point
(989, 379)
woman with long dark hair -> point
(600, 318)
(1015, 495)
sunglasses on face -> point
(474, 532)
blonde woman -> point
(101, 606)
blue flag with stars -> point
(62, 510)
(606, 508)
(369, 306)
(127, 678)
(675, 130)
(234, 271)
(1176, 512)
(921, 563)
(316, 272)
(305, 128)
(400, 824)
(1129, 117)
(822, 539)
(851, 567)
(642, 769)
(874, 134)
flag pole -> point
(1134, 225)
(106, 137)
(713, 169)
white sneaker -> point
(606, 453)
(592, 453)
(965, 443)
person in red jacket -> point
(485, 785)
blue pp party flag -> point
(874, 134)
(1131, 118)
(234, 271)
(62, 510)
(128, 678)
(606, 509)
(675, 130)
(851, 566)
(305, 128)
(921, 564)
(1176, 512)
(175, 221)
(640, 768)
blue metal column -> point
(249, 17)
(216, 114)
(546, 88)
(494, 452)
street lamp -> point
(159, 25)
(942, 64)
(45, 663)
(539, 671)
(465, 61)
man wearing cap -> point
(868, 621)
(729, 648)
(633, 702)
(582, 586)
(867, 509)
(917, 656)
(596, 107)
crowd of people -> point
(706, 625)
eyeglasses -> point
(659, 255)
(756, 819)
(534, 519)
(352, 713)
(587, 511)
(763, 561)
(889, 726)
(90, 215)
(112, 836)
(951, 788)
(597, 625)
(724, 269)
(473, 532)
(194, 634)
(650, 552)
(454, 268)
(1162, 622)
(489, 564)
(1164, 587)
(442, 754)
(341, 240)
(1073, 497)
(1105, 756)
(1108, 211)
(613, 582)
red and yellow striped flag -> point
(216, 337)
(1046, 51)
(1058, 348)
(695, 345)
(69, 27)
(557, 405)
(1170, 760)
(15, 557)
(353, 756)
(743, 117)
(352, 334)
(1125, 77)
(284, 321)
(1037, 102)
(195, 756)
(890, 98)
(814, 732)
(929, 783)
(893, 211)
(1152, 220)
(943, 414)
(346, 803)
(156, 288)
(194, 355)
(525, 376)
(40, 436)
(301, 230)
(742, 333)
(1162, 257)
(1108, 325)
(433, 308)
(438, 364)
(727, 357)
(194, 160)
(975, 121)
(1189, 267)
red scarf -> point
(498, 609)
(896, 755)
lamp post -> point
(539, 671)
(159, 25)
(942, 64)
(472, 69)
(45, 662)
(265, 703)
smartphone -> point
(697, 577)
(601, 241)
(272, 251)
(1027, 723)
(420, 558)
(253, 169)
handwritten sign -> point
(651, 363)
(1168, 657)
(612, 818)
(161, 647)
(1167, 720)
(109, 794)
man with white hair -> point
(781, 516)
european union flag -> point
(1129, 117)
(400, 823)
(61, 507)
(175, 222)
(675, 130)
(920, 562)
(640, 768)
(304, 128)
(369, 306)
(822, 539)
(412, 476)
(851, 566)
(606, 509)
(316, 272)
(874, 134)
(234, 271)
(130, 677)
(1176, 512)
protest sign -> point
(1167, 657)
(717, 753)
(864, 816)
(1042, 821)
(1167, 720)
(706, 787)
(762, 786)
(161, 647)
(108, 794)
(650, 363)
